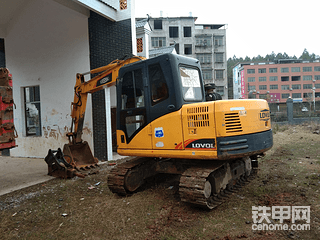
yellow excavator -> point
(164, 122)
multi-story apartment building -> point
(277, 81)
(206, 42)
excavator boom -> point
(77, 155)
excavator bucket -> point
(58, 166)
(80, 156)
(75, 160)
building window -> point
(316, 77)
(158, 42)
(307, 95)
(317, 94)
(204, 58)
(295, 78)
(203, 42)
(173, 32)
(218, 40)
(207, 75)
(188, 49)
(307, 69)
(273, 78)
(307, 86)
(251, 71)
(262, 79)
(284, 87)
(295, 69)
(273, 70)
(296, 86)
(317, 68)
(261, 70)
(139, 45)
(285, 95)
(284, 70)
(284, 79)
(307, 78)
(32, 111)
(219, 74)
(262, 87)
(251, 79)
(263, 96)
(252, 87)
(157, 24)
(187, 31)
(317, 86)
(296, 95)
(273, 86)
(220, 90)
(219, 57)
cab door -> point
(165, 119)
(132, 110)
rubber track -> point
(116, 177)
(191, 188)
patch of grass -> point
(72, 209)
(279, 128)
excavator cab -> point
(149, 90)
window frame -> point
(262, 79)
(188, 49)
(251, 79)
(155, 42)
(35, 102)
(173, 32)
(296, 95)
(251, 71)
(273, 70)
(262, 70)
(306, 69)
(219, 57)
(159, 22)
(187, 31)
(273, 78)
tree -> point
(305, 55)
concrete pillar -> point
(290, 110)
(108, 125)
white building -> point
(206, 42)
(46, 43)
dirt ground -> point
(289, 175)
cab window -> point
(132, 90)
(191, 85)
(159, 88)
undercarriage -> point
(202, 183)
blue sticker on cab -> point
(158, 132)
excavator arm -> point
(77, 155)
(107, 77)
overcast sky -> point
(255, 27)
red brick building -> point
(278, 81)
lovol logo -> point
(104, 80)
(264, 115)
(202, 144)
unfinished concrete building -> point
(206, 42)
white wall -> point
(47, 46)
